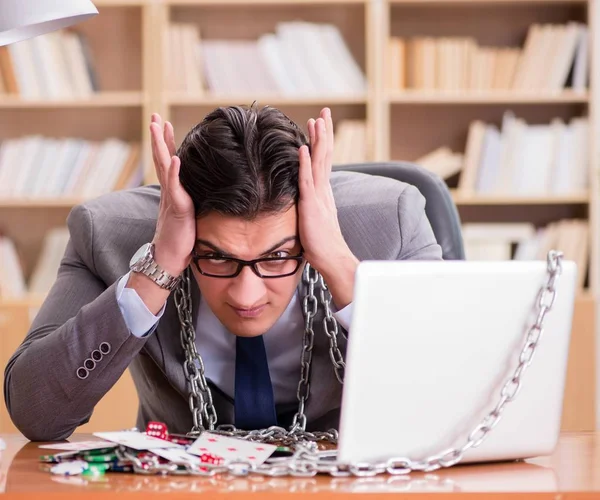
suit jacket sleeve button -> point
(82, 373)
(105, 348)
(89, 363)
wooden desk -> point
(573, 469)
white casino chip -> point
(69, 468)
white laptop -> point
(430, 348)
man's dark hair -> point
(242, 161)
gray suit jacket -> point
(380, 219)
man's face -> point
(248, 305)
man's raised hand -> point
(175, 234)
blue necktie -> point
(254, 403)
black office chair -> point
(440, 208)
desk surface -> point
(574, 468)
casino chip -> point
(69, 468)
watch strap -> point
(158, 275)
(150, 268)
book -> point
(524, 241)
(277, 63)
(45, 167)
(550, 53)
(526, 160)
(57, 65)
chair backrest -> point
(440, 207)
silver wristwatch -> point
(143, 262)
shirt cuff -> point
(344, 316)
(137, 316)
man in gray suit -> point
(207, 289)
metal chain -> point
(200, 398)
(309, 308)
(330, 325)
(308, 461)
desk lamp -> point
(23, 19)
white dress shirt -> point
(283, 341)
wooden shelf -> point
(461, 199)
(484, 97)
(65, 202)
(125, 3)
(278, 3)
(484, 2)
(273, 100)
(120, 3)
(99, 100)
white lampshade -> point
(23, 19)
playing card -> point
(176, 455)
(80, 446)
(136, 440)
(229, 448)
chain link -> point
(307, 459)
(330, 325)
(200, 398)
(309, 309)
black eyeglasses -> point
(217, 266)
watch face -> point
(140, 253)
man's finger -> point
(318, 153)
(173, 181)
(157, 164)
(311, 131)
(305, 176)
(170, 138)
(162, 151)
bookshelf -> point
(186, 100)
(462, 199)
(24, 203)
(103, 99)
(488, 98)
(490, 3)
(406, 124)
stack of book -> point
(58, 65)
(552, 57)
(527, 160)
(518, 159)
(36, 166)
(298, 59)
(523, 241)
(442, 161)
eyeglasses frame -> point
(251, 263)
